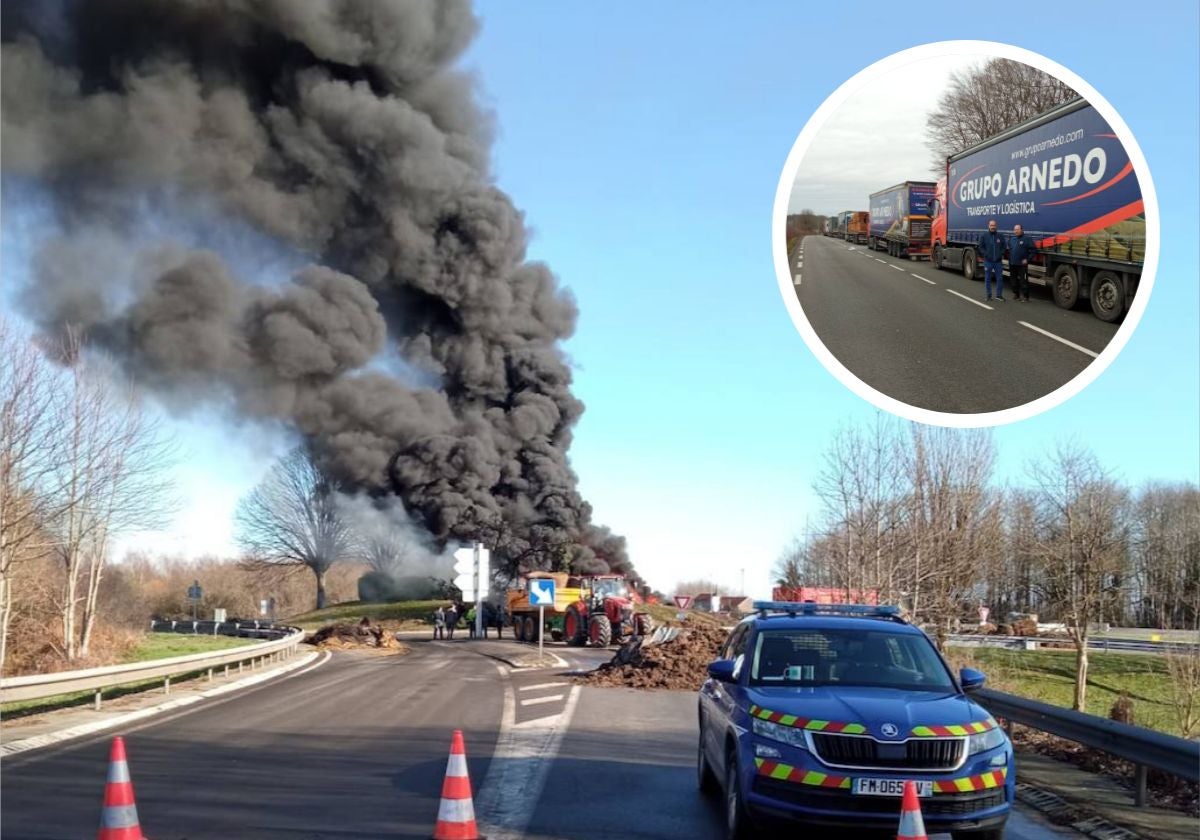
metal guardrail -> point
(244, 628)
(41, 686)
(1145, 748)
(1059, 643)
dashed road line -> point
(882, 261)
(919, 277)
(896, 267)
(537, 686)
(1058, 338)
(796, 280)
(970, 300)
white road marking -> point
(1058, 338)
(919, 277)
(517, 774)
(898, 268)
(796, 280)
(969, 299)
(879, 260)
(542, 685)
(537, 701)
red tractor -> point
(604, 613)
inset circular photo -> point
(965, 233)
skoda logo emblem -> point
(889, 730)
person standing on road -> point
(991, 248)
(1021, 249)
(451, 621)
(439, 623)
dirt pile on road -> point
(681, 663)
(361, 636)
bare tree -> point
(983, 101)
(1081, 543)
(292, 518)
(789, 570)
(31, 393)
(699, 586)
(111, 479)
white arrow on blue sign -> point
(541, 593)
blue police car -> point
(819, 713)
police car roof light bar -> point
(792, 608)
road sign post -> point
(541, 595)
(471, 565)
(195, 595)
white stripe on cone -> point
(912, 826)
(457, 765)
(456, 811)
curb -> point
(51, 738)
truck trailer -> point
(1066, 178)
(857, 225)
(899, 219)
(831, 226)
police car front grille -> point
(917, 754)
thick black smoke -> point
(340, 131)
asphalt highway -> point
(928, 337)
(355, 746)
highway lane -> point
(357, 749)
(353, 749)
(929, 339)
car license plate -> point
(889, 787)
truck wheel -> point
(531, 634)
(968, 264)
(936, 256)
(600, 631)
(518, 628)
(573, 627)
(1108, 296)
(1066, 286)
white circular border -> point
(783, 270)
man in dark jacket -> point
(991, 249)
(1021, 249)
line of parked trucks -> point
(1064, 176)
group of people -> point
(446, 619)
(1020, 249)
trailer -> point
(857, 226)
(899, 219)
(1065, 177)
(832, 226)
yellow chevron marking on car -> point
(806, 723)
(954, 729)
(970, 784)
(788, 773)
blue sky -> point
(645, 143)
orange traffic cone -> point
(912, 825)
(119, 819)
(456, 814)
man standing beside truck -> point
(991, 248)
(1021, 249)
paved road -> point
(356, 748)
(927, 338)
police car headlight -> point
(985, 741)
(787, 734)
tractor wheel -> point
(574, 627)
(643, 625)
(531, 634)
(600, 631)
(518, 628)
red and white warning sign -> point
(683, 601)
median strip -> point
(969, 299)
(1058, 338)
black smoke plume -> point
(414, 348)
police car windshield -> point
(812, 657)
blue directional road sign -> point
(541, 593)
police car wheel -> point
(706, 780)
(737, 821)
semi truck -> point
(899, 219)
(1065, 177)
(857, 225)
(832, 226)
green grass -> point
(353, 611)
(1049, 676)
(152, 646)
(166, 645)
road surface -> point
(929, 339)
(355, 747)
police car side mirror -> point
(970, 679)
(722, 670)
